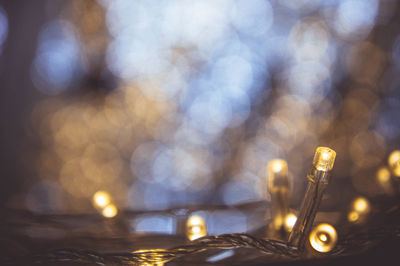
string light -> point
(383, 177)
(101, 199)
(195, 227)
(278, 187)
(318, 177)
(353, 216)
(359, 208)
(324, 159)
(290, 221)
(109, 211)
(361, 205)
(350, 124)
(394, 162)
(323, 238)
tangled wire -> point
(15, 228)
(273, 248)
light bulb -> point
(353, 216)
(323, 237)
(324, 159)
(394, 162)
(359, 208)
(361, 205)
(109, 211)
(278, 187)
(277, 175)
(290, 220)
(319, 177)
(195, 227)
(383, 177)
(101, 199)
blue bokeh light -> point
(57, 61)
(3, 27)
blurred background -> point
(178, 103)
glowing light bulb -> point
(353, 216)
(319, 177)
(290, 220)
(324, 159)
(383, 175)
(277, 175)
(361, 205)
(109, 211)
(278, 187)
(323, 237)
(195, 227)
(101, 199)
(394, 162)
(359, 208)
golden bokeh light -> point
(101, 161)
(361, 205)
(384, 178)
(277, 166)
(353, 216)
(323, 237)
(101, 199)
(191, 103)
(290, 221)
(367, 149)
(359, 209)
(383, 175)
(195, 227)
(277, 175)
(394, 162)
(109, 211)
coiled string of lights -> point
(273, 248)
(323, 238)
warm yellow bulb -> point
(277, 166)
(323, 237)
(290, 220)
(383, 175)
(277, 174)
(324, 159)
(353, 216)
(195, 227)
(394, 162)
(361, 205)
(109, 211)
(101, 199)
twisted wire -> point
(226, 241)
(353, 242)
